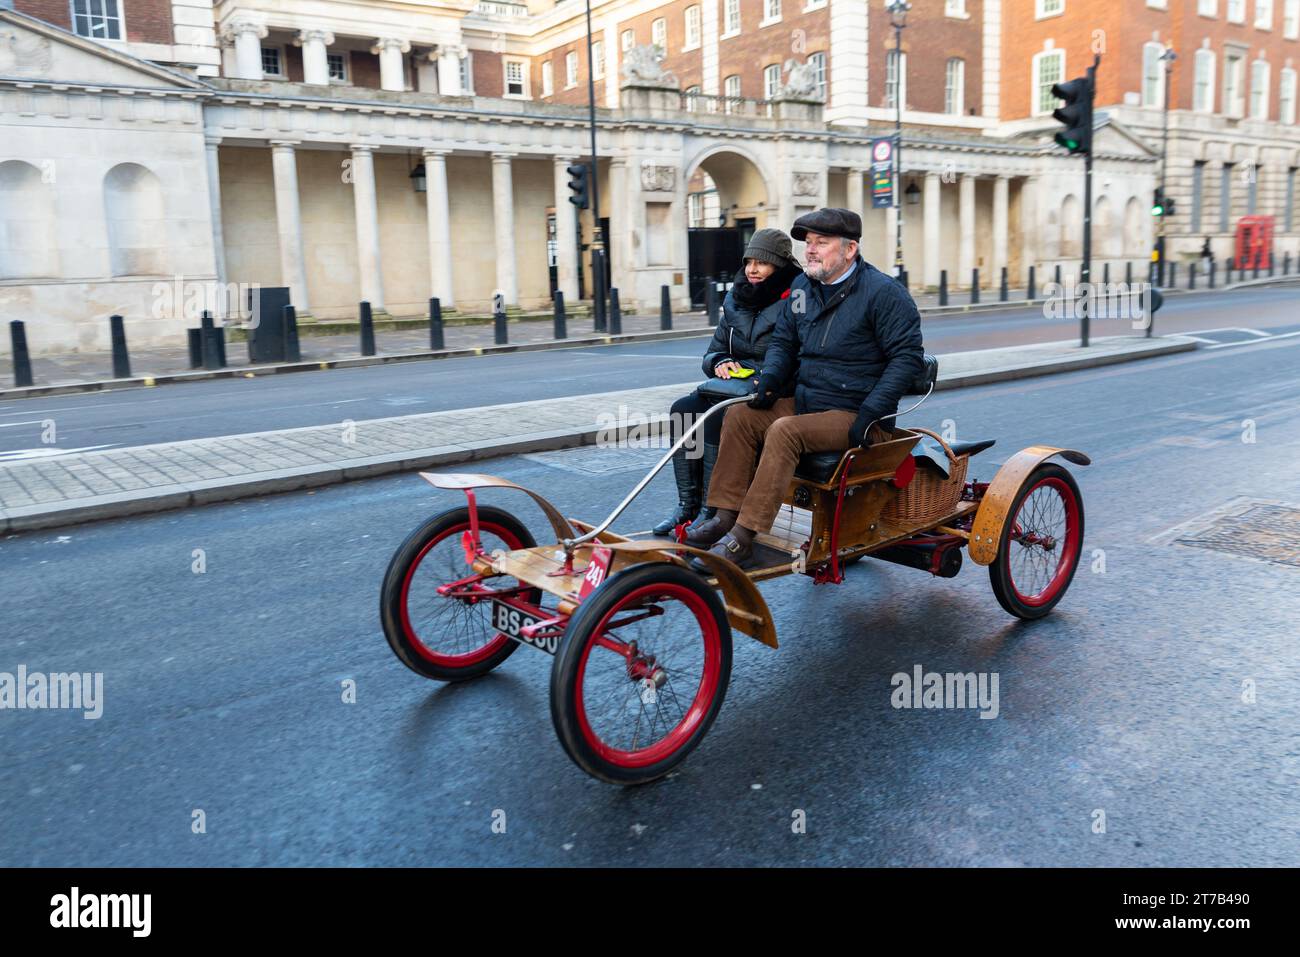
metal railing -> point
(724, 105)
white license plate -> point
(511, 623)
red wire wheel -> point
(1038, 553)
(641, 673)
(445, 637)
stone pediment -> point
(32, 50)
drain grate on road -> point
(596, 460)
(1264, 531)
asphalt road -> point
(235, 406)
(223, 690)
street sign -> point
(882, 173)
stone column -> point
(392, 71)
(367, 207)
(855, 192)
(931, 213)
(966, 254)
(1001, 208)
(315, 62)
(619, 204)
(449, 70)
(566, 233)
(284, 168)
(214, 203)
(1029, 230)
(503, 219)
(891, 240)
(247, 37)
(439, 214)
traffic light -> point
(1158, 204)
(1075, 114)
(578, 184)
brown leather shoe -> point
(708, 533)
(732, 549)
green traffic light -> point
(1157, 210)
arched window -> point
(28, 227)
(1106, 231)
(1071, 227)
(1134, 239)
(1203, 85)
(137, 221)
(1153, 75)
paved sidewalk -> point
(77, 487)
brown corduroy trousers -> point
(754, 486)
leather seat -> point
(971, 448)
(817, 466)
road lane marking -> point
(22, 455)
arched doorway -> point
(727, 199)
(29, 236)
(137, 224)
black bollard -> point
(615, 314)
(1173, 275)
(1255, 274)
(561, 330)
(710, 303)
(289, 331)
(1227, 273)
(943, 287)
(211, 357)
(22, 358)
(598, 289)
(367, 330)
(1128, 273)
(974, 287)
(904, 280)
(1270, 267)
(194, 339)
(1214, 268)
(1191, 276)
(1058, 274)
(1286, 264)
(1031, 291)
(221, 345)
(665, 308)
(500, 332)
(121, 361)
(1105, 274)
(1003, 292)
(435, 324)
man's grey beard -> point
(818, 271)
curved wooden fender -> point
(986, 530)
(469, 480)
(746, 609)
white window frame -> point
(730, 28)
(771, 80)
(1286, 94)
(1236, 12)
(1263, 14)
(522, 64)
(1207, 57)
(814, 5)
(345, 60)
(818, 62)
(1259, 92)
(1291, 19)
(691, 94)
(728, 93)
(691, 22)
(571, 69)
(1048, 8)
(627, 40)
(1234, 101)
(1158, 4)
(118, 18)
(892, 56)
(956, 9)
(954, 94)
(771, 13)
(1207, 8)
(279, 56)
(548, 77)
(1157, 100)
(598, 59)
(1036, 85)
(659, 33)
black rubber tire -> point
(999, 570)
(390, 596)
(564, 671)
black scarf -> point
(758, 296)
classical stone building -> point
(395, 150)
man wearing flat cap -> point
(850, 336)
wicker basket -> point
(929, 496)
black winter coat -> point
(860, 351)
(742, 334)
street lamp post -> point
(598, 252)
(1168, 58)
(898, 17)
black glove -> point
(858, 432)
(768, 391)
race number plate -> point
(511, 623)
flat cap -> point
(830, 221)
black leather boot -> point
(707, 462)
(688, 495)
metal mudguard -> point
(986, 531)
(470, 480)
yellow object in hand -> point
(742, 373)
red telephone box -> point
(1254, 242)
